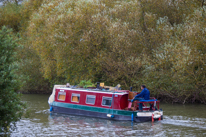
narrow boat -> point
(105, 103)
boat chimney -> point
(98, 85)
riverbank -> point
(162, 98)
(36, 92)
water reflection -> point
(67, 125)
(91, 126)
(179, 120)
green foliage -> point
(160, 43)
(29, 71)
(86, 84)
(16, 16)
(27, 9)
(126, 42)
(11, 108)
(10, 16)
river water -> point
(179, 120)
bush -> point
(11, 108)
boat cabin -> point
(119, 99)
(96, 98)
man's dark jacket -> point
(144, 94)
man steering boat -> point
(145, 94)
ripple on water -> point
(67, 125)
(186, 122)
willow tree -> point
(60, 29)
(177, 69)
(10, 16)
(156, 42)
(88, 40)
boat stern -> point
(149, 116)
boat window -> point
(106, 101)
(62, 96)
(90, 99)
(75, 97)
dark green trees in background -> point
(10, 105)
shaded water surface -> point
(179, 120)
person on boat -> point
(145, 94)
